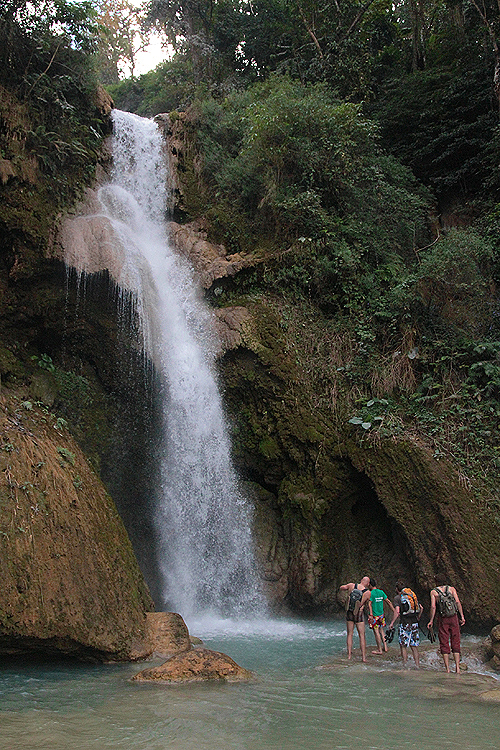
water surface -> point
(305, 695)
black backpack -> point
(446, 604)
(354, 598)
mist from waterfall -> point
(206, 558)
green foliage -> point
(372, 414)
(454, 278)
(72, 388)
(440, 122)
(296, 166)
(38, 34)
(170, 86)
(51, 134)
(45, 362)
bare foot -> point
(377, 652)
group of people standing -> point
(364, 601)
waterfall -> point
(206, 560)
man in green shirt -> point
(376, 619)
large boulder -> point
(196, 665)
(70, 580)
(492, 648)
(167, 633)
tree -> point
(310, 40)
(186, 25)
(489, 13)
(34, 34)
(122, 36)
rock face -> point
(166, 633)
(492, 647)
(332, 504)
(70, 581)
(86, 240)
(211, 261)
(196, 665)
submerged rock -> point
(196, 665)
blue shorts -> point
(409, 635)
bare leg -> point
(456, 656)
(416, 656)
(446, 659)
(350, 631)
(378, 638)
(404, 654)
(362, 639)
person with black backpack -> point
(357, 596)
(445, 601)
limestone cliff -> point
(331, 500)
(71, 582)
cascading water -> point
(206, 555)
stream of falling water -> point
(206, 558)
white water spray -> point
(206, 558)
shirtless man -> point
(449, 626)
(357, 618)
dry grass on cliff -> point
(338, 374)
(395, 372)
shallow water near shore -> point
(305, 695)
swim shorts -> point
(409, 635)
(349, 616)
(378, 622)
